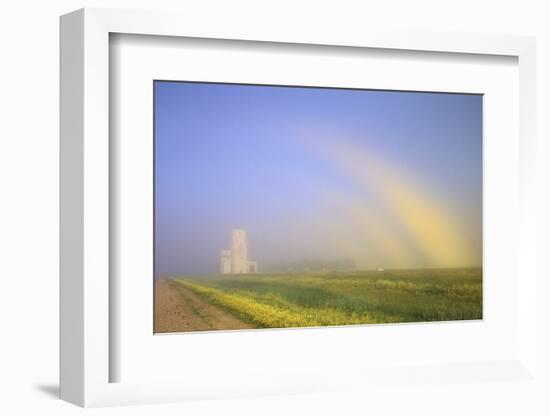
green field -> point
(343, 298)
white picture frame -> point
(85, 208)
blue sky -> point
(281, 162)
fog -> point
(319, 178)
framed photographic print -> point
(321, 199)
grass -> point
(362, 297)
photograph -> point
(286, 206)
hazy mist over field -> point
(365, 178)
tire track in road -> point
(179, 309)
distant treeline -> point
(310, 266)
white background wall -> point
(29, 192)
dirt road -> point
(178, 309)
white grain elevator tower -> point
(239, 252)
(235, 260)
